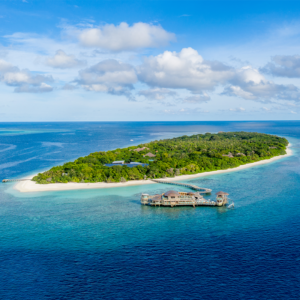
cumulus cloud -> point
(123, 37)
(63, 61)
(163, 94)
(24, 77)
(184, 70)
(27, 88)
(6, 67)
(284, 66)
(69, 87)
(197, 98)
(266, 109)
(238, 109)
(188, 70)
(24, 80)
(109, 76)
(249, 84)
(185, 111)
(157, 93)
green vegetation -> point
(173, 157)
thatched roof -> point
(228, 155)
(149, 154)
(156, 197)
(222, 193)
(172, 193)
(190, 193)
(240, 154)
(139, 149)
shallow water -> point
(102, 244)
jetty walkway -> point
(191, 186)
(9, 180)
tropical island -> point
(185, 155)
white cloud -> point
(249, 84)
(63, 61)
(183, 70)
(157, 93)
(188, 70)
(24, 80)
(184, 111)
(197, 98)
(284, 65)
(238, 109)
(163, 93)
(24, 77)
(293, 112)
(109, 76)
(5, 66)
(41, 88)
(69, 87)
(122, 37)
(266, 109)
(15, 78)
(239, 92)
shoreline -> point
(31, 186)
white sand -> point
(32, 186)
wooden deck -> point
(190, 186)
(9, 180)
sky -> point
(149, 60)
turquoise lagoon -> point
(102, 244)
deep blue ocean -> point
(102, 244)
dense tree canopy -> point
(173, 157)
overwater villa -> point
(222, 198)
(174, 198)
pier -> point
(174, 198)
(9, 180)
(190, 186)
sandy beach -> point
(31, 186)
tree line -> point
(173, 157)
